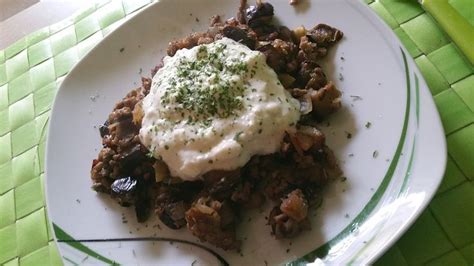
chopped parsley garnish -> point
(348, 135)
(237, 136)
(201, 101)
(375, 154)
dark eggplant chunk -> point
(168, 221)
(99, 187)
(325, 35)
(188, 190)
(221, 184)
(138, 190)
(311, 76)
(104, 129)
(124, 185)
(228, 214)
(173, 215)
(126, 128)
(173, 201)
(260, 14)
(133, 157)
(124, 189)
(142, 206)
(285, 34)
(239, 35)
(224, 188)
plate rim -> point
(378, 23)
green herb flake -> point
(220, 100)
(237, 136)
(375, 154)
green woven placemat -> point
(32, 69)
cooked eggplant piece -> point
(239, 35)
(104, 129)
(124, 189)
(260, 14)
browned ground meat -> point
(295, 205)
(291, 178)
(284, 226)
(281, 55)
(213, 221)
(291, 216)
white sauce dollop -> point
(186, 127)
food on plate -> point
(228, 121)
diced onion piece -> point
(205, 209)
(306, 104)
(161, 171)
(138, 114)
(299, 32)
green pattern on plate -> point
(322, 251)
(412, 152)
(32, 68)
(403, 187)
(63, 236)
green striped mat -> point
(32, 69)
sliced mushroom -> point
(326, 100)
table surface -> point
(18, 18)
(32, 68)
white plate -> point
(393, 167)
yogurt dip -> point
(213, 107)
